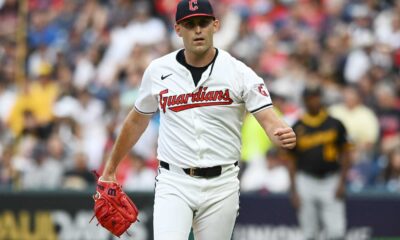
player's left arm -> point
(257, 99)
(346, 147)
(277, 130)
(345, 161)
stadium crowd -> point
(85, 60)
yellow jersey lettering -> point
(308, 141)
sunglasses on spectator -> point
(193, 23)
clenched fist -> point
(286, 137)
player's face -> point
(313, 104)
(197, 33)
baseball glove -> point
(114, 210)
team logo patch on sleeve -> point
(201, 98)
(263, 90)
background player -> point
(318, 172)
(202, 94)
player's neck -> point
(316, 112)
(200, 60)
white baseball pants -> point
(209, 206)
(319, 204)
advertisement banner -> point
(272, 217)
(66, 216)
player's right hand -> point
(114, 210)
(108, 178)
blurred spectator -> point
(396, 60)
(147, 144)
(333, 59)
(7, 100)
(92, 16)
(391, 174)
(58, 152)
(273, 58)
(76, 46)
(130, 89)
(307, 51)
(67, 130)
(66, 15)
(8, 19)
(42, 30)
(62, 72)
(79, 177)
(86, 67)
(8, 174)
(141, 177)
(120, 11)
(22, 157)
(366, 90)
(389, 117)
(311, 14)
(396, 82)
(266, 174)
(34, 105)
(143, 29)
(45, 4)
(166, 7)
(387, 26)
(230, 24)
(290, 82)
(40, 61)
(8, 54)
(93, 134)
(356, 117)
(247, 45)
(359, 59)
(114, 115)
(42, 172)
(360, 26)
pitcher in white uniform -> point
(202, 94)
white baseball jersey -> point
(200, 126)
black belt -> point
(199, 172)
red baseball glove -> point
(114, 210)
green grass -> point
(387, 238)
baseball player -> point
(202, 94)
(318, 170)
